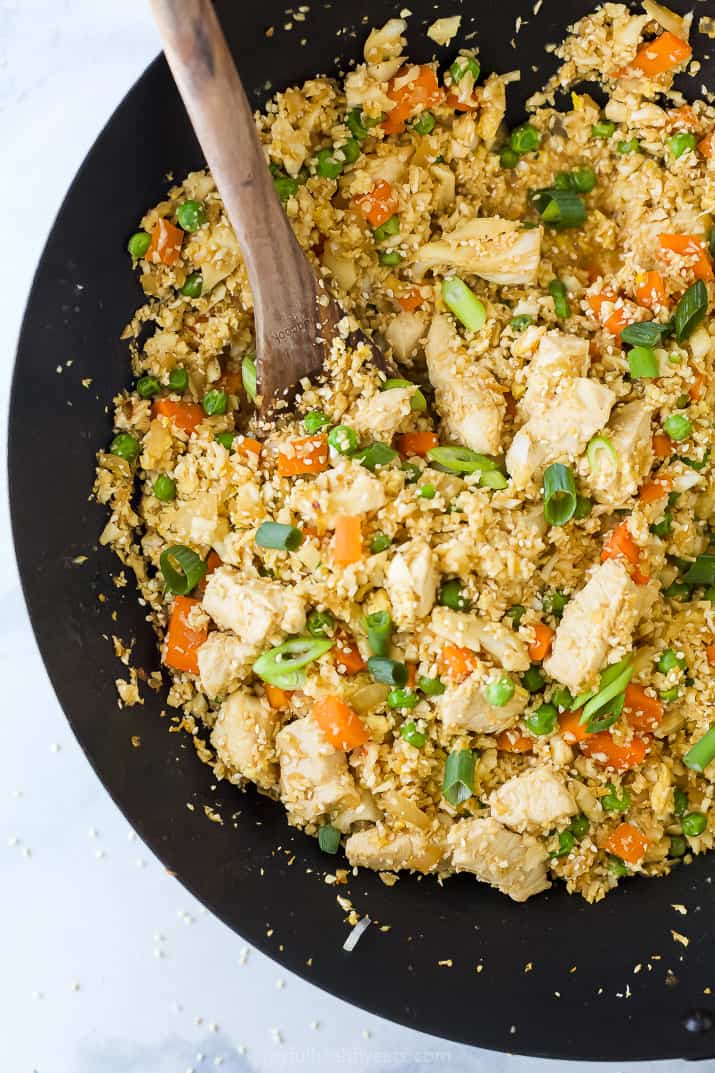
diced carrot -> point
(453, 101)
(165, 245)
(663, 54)
(409, 92)
(650, 290)
(309, 454)
(705, 145)
(347, 654)
(619, 319)
(662, 445)
(692, 247)
(411, 675)
(513, 741)
(416, 443)
(246, 445)
(571, 727)
(604, 750)
(183, 415)
(182, 640)
(310, 531)
(710, 653)
(341, 726)
(378, 205)
(620, 544)
(642, 711)
(627, 843)
(410, 299)
(213, 561)
(347, 545)
(541, 645)
(615, 321)
(697, 388)
(456, 663)
(682, 118)
(655, 490)
(276, 697)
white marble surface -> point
(109, 965)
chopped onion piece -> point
(354, 937)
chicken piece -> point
(257, 610)
(464, 707)
(560, 429)
(404, 332)
(411, 582)
(380, 416)
(497, 250)
(597, 620)
(243, 736)
(616, 480)
(536, 802)
(558, 356)
(224, 660)
(380, 848)
(514, 864)
(471, 631)
(314, 779)
(467, 396)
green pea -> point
(566, 844)
(680, 802)
(631, 146)
(410, 733)
(389, 229)
(356, 126)
(554, 602)
(351, 150)
(193, 286)
(524, 139)
(533, 680)
(389, 257)
(579, 826)
(677, 426)
(616, 866)
(401, 698)
(329, 838)
(678, 846)
(499, 692)
(191, 215)
(680, 143)
(178, 379)
(515, 613)
(380, 542)
(562, 698)
(148, 386)
(314, 420)
(225, 439)
(125, 446)
(424, 123)
(604, 129)
(320, 623)
(165, 488)
(462, 65)
(431, 687)
(693, 824)
(508, 158)
(613, 803)
(451, 595)
(543, 720)
(285, 186)
(327, 164)
(520, 322)
(138, 244)
(427, 491)
(668, 661)
(343, 439)
(215, 402)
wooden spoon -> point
(296, 317)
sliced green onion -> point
(613, 803)
(677, 426)
(285, 186)
(643, 363)
(560, 209)
(681, 142)
(461, 460)
(451, 595)
(277, 665)
(225, 439)
(458, 784)
(524, 139)
(582, 180)
(559, 494)
(164, 488)
(374, 455)
(343, 439)
(693, 824)
(182, 568)
(515, 613)
(699, 756)
(494, 480)
(521, 321)
(690, 310)
(604, 129)
(630, 146)
(410, 733)
(664, 527)
(499, 692)
(562, 698)
(412, 472)
(617, 867)
(388, 229)
(351, 150)
(463, 302)
(543, 720)
(314, 420)
(613, 682)
(677, 590)
(418, 402)
(125, 446)
(388, 671)
(645, 333)
(669, 695)
(320, 623)
(329, 838)
(380, 542)
(354, 123)
(215, 402)
(697, 465)
(431, 687)
(248, 376)
(148, 386)
(463, 64)
(327, 164)
(558, 292)
(379, 632)
(424, 123)
(701, 572)
(280, 537)
(178, 379)
(402, 698)
(599, 448)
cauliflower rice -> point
(461, 620)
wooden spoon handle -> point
(282, 281)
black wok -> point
(259, 876)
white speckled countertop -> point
(109, 965)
